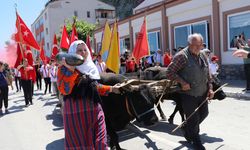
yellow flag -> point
(113, 60)
(105, 41)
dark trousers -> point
(4, 96)
(18, 83)
(189, 104)
(27, 90)
(247, 73)
(39, 82)
(47, 83)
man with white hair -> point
(189, 68)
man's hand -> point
(241, 53)
(185, 87)
(210, 94)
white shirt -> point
(101, 67)
(17, 73)
(45, 71)
(53, 73)
(213, 68)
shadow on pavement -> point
(208, 139)
(56, 118)
(163, 127)
(13, 109)
(132, 132)
(56, 145)
(50, 103)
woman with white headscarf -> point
(84, 121)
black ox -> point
(120, 109)
(158, 73)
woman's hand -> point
(116, 89)
(63, 62)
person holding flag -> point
(26, 80)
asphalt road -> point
(40, 127)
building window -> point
(45, 16)
(124, 44)
(181, 33)
(98, 47)
(154, 41)
(238, 26)
(47, 46)
(75, 13)
(47, 31)
(88, 14)
(104, 14)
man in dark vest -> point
(189, 68)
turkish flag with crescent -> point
(55, 49)
(74, 35)
(19, 56)
(42, 54)
(24, 35)
(89, 45)
(64, 39)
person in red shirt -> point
(26, 80)
(167, 59)
(130, 65)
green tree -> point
(83, 28)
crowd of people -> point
(192, 67)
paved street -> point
(40, 127)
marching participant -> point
(190, 69)
(82, 113)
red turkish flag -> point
(89, 45)
(74, 35)
(55, 49)
(24, 35)
(141, 46)
(42, 54)
(19, 56)
(64, 39)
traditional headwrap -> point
(88, 67)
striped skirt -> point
(84, 125)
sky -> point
(27, 9)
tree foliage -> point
(83, 29)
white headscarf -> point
(88, 67)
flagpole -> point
(19, 30)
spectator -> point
(158, 58)
(4, 90)
(17, 76)
(101, 65)
(130, 65)
(53, 78)
(123, 64)
(213, 66)
(45, 71)
(167, 59)
(38, 73)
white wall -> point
(154, 21)
(98, 37)
(58, 11)
(226, 5)
(123, 29)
